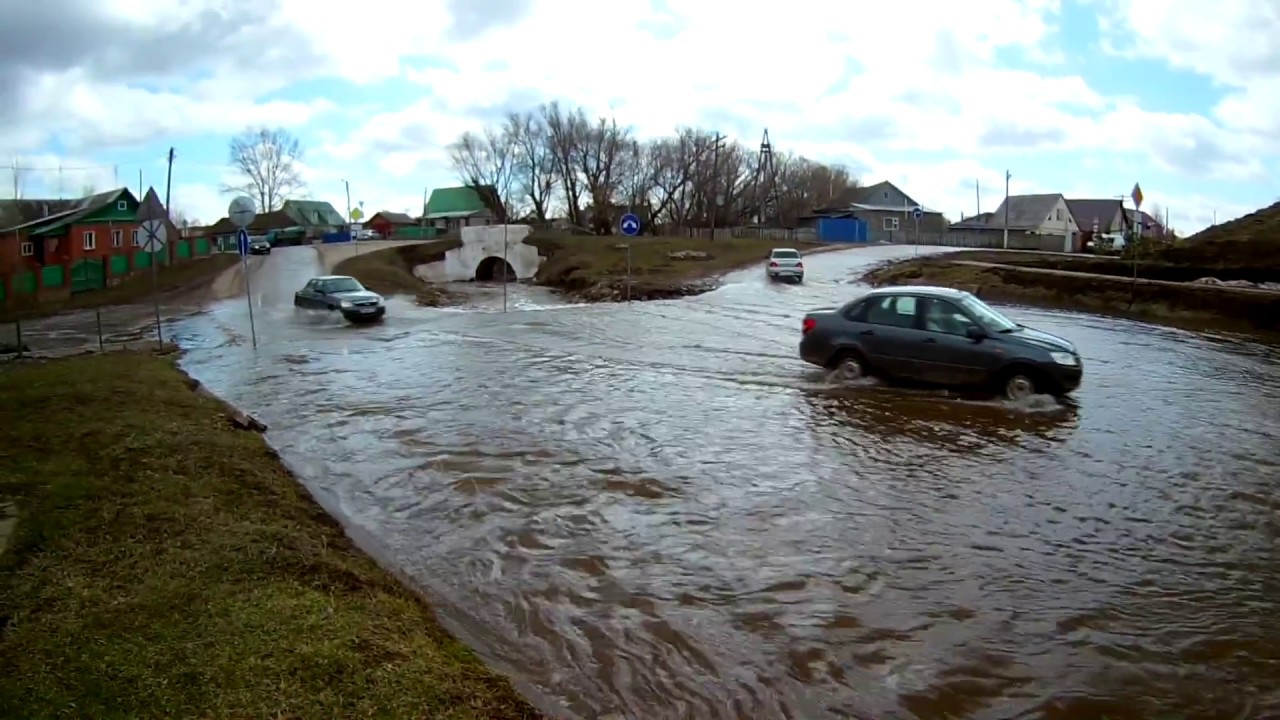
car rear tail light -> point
(799, 266)
(773, 264)
(806, 325)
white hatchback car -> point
(785, 264)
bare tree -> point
(267, 162)
(486, 163)
(564, 136)
(535, 168)
(556, 156)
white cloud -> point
(860, 85)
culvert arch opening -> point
(495, 269)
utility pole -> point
(16, 189)
(1007, 175)
(347, 185)
(977, 195)
(715, 181)
(168, 214)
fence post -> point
(17, 324)
(98, 314)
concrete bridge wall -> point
(478, 243)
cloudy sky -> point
(1083, 97)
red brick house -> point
(73, 245)
(386, 223)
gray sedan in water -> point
(938, 336)
(344, 294)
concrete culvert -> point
(491, 268)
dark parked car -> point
(342, 293)
(259, 246)
(938, 336)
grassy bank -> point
(166, 565)
(187, 277)
(389, 271)
(595, 268)
(1017, 281)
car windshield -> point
(988, 315)
(338, 285)
(786, 254)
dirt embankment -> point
(389, 271)
(595, 269)
(165, 564)
(1093, 284)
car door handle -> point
(930, 340)
(867, 332)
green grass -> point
(596, 268)
(165, 565)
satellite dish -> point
(154, 235)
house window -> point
(90, 240)
(891, 224)
(137, 239)
(1057, 214)
(117, 238)
(28, 249)
(122, 205)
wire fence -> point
(86, 330)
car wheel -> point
(850, 368)
(1018, 386)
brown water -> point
(658, 511)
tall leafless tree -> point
(267, 163)
(559, 161)
(535, 168)
(487, 164)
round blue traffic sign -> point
(630, 225)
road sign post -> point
(153, 233)
(242, 212)
(630, 225)
(916, 215)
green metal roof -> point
(312, 212)
(83, 207)
(458, 214)
(453, 202)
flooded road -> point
(656, 510)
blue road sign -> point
(242, 241)
(630, 225)
(917, 213)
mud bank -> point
(389, 271)
(165, 563)
(604, 269)
(1067, 283)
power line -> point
(55, 169)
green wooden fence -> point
(88, 275)
(52, 276)
(119, 265)
(141, 260)
(202, 246)
(182, 250)
(24, 283)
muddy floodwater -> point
(656, 510)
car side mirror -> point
(975, 333)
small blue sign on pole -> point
(630, 225)
(917, 213)
(242, 241)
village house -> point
(1034, 222)
(62, 246)
(386, 223)
(453, 208)
(885, 212)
